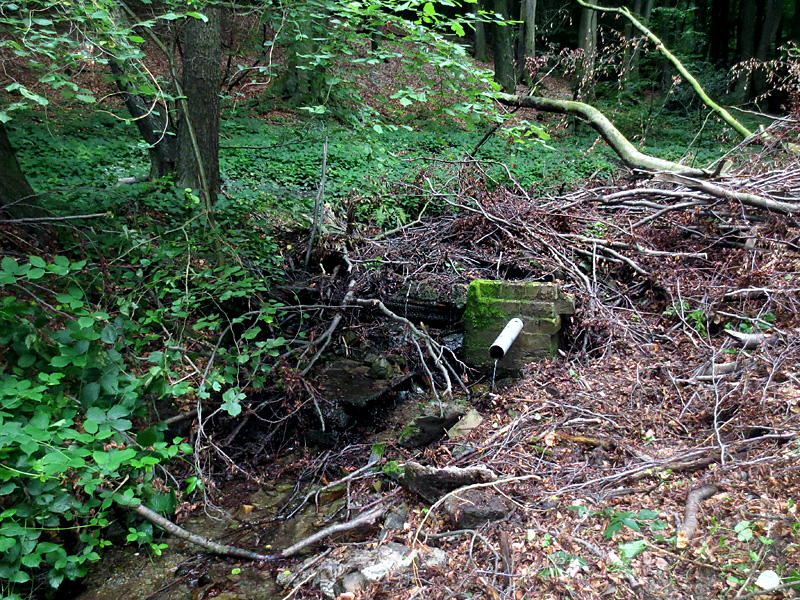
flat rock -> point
(431, 483)
(465, 425)
(472, 508)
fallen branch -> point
(629, 154)
(49, 219)
(720, 192)
(724, 114)
(751, 341)
(693, 501)
(366, 518)
(435, 349)
(325, 338)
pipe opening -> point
(503, 342)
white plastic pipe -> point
(505, 339)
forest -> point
(242, 248)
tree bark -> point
(746, 44)
(626, 151)
(153, 124)
(528, 37)
(17, 198)
(719, 32)
(503, 49)
(773, 11)
(198, 130)
(479, 48)
(587, 42)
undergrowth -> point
(150, 308)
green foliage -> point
(68, 399)
(697, 318)
(57, 38)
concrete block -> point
(491, 304)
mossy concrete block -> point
(491, 304)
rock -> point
(426, 430)
(472, 508)
(434, 558)
(431, 483)
(284, 577)
(396, 518)
(465, 425)
(353, 582)
(352, 572)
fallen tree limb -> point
(325, 338)
(628, 153)
(751, 341)
(693, 502)
(434, 348)
(366, 518)
(720, 192)
(724, 114)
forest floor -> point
(658, 457)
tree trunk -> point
(153, 124)
(642, 8)
(198, 130)
(746, 44)
(528, 37)
(17, 198)
(503, 49)
(719, 33)
(773, 11)
(587, 42)
(479, 49)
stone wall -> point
(491, 304)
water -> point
(494, 373)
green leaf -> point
(37, 261)
(198, 15)
(90, 426)
(6, 543)
(85, 98)
(109, 334)
(628, 522)
(9, 265)
(117, 412)
(632, 549)
(429, 9)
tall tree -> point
(768, 34)
(746, 42)
(719, 33)
(17, 197)
(528, 36)
(587, 44)
(504, 73)
(198, 129)
(479, 46)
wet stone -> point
(472, 508)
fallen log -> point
(628, 153)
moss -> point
(480, 314)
